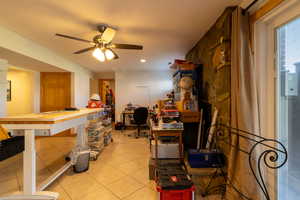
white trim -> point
(3, 65)
(266, 70)
(265, 79)
(3, 86)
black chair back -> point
(140, 115)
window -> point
(288, 70)
(277, 54)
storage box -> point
(165, 150)
(190, 117)
(205, 158)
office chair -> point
(140, 117)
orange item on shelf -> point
(3, 133)
(94, 104)
(182, 65)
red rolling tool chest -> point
(173, 183)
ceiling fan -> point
(102, 45)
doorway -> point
(55, 91)
(107, 94)
(288, 105)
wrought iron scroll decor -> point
(261, 151)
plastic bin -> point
(80, 157)
(206, 159)
(165, 150)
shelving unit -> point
(99, 134)
(157, 132)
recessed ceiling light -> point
(143, 60)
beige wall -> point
(23, 97)
(104, 75)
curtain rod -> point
(249, 6)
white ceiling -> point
(166, 28)
(25, 62)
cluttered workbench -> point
(46, 124)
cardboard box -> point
(189, 117)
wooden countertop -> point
(48, 117)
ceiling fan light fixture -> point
(102, 46)
(99, 55)
(109, 54)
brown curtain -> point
(244, 109)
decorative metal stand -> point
(262, 151)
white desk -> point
(44, 124)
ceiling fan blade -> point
(84, 50)
(73, 38)
(108, 34)
(126, 46)
(116, 55)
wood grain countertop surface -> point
(52, 117)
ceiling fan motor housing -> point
(97, 39)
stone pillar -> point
(3, 86)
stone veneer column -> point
(3, 86)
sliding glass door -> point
(288, 106)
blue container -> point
(205, 158)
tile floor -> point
(121, 171)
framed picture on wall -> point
(8, 97)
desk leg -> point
(29, 174)
(124, 121)
(150, 142)
(81, 136)
(29, 160)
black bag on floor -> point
(11, 147)
(119, 126)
